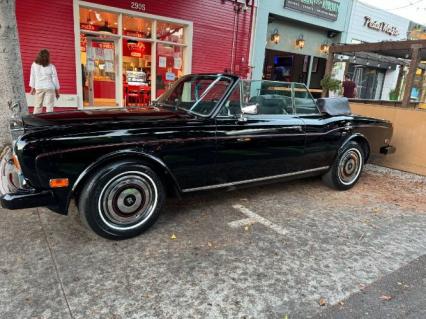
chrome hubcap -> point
(128, 200)
(350, 166)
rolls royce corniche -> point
(207, 131)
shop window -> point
(98, 21)
(169, 66)
(113, 79)
(170, 32)
(137, 27)
(136, 72)
(98, 68)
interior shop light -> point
(300, 42)
(98, 16)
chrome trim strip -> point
(188, 190)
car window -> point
(271, 98)
(232, 106)
(198, 94)
(303, 101)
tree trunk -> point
(12, 89)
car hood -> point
(100, 117)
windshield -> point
(197, 94)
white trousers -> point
(44, 97)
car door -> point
(267, 144)
(323, 132)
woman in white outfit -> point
(44, 82)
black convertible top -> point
(334, 106)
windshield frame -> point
(215, 77)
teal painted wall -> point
(290, 25)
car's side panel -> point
(261, 146)
(187, 150)
(324, 135)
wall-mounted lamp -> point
(300, 42)
(275, 37)
(325, 48)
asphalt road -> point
(273, 251)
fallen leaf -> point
(246, 228)
(341, 303)
(285, 317)
(209, 244)
(322, 302)
(385, 298)
(173, 237)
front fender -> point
(157, 164)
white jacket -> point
(44, 77)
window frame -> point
(310, 95)
(186, 46)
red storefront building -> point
(119, 53)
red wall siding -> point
(51, 26)
(48, 24)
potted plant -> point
(329, 84)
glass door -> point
(99, 72)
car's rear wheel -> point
(346, 169)
(121, 200)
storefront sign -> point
(381, 26)
(137, 6)
(325, 9)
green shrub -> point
(330, 84)
(394, 95)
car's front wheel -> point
(347, 168)
(121, 200)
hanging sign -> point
(324, 9)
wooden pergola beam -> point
(377, 47)
(415, 61)
(328, 69)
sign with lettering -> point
(381, 26)
(325, 9)
(139, 6)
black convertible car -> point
(208, 131)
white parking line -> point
(258, 219)
(242, 222)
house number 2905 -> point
(137, 5)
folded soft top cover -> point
(334, 106)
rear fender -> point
(360, 139)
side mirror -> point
(250, 109)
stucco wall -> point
(409, 136)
